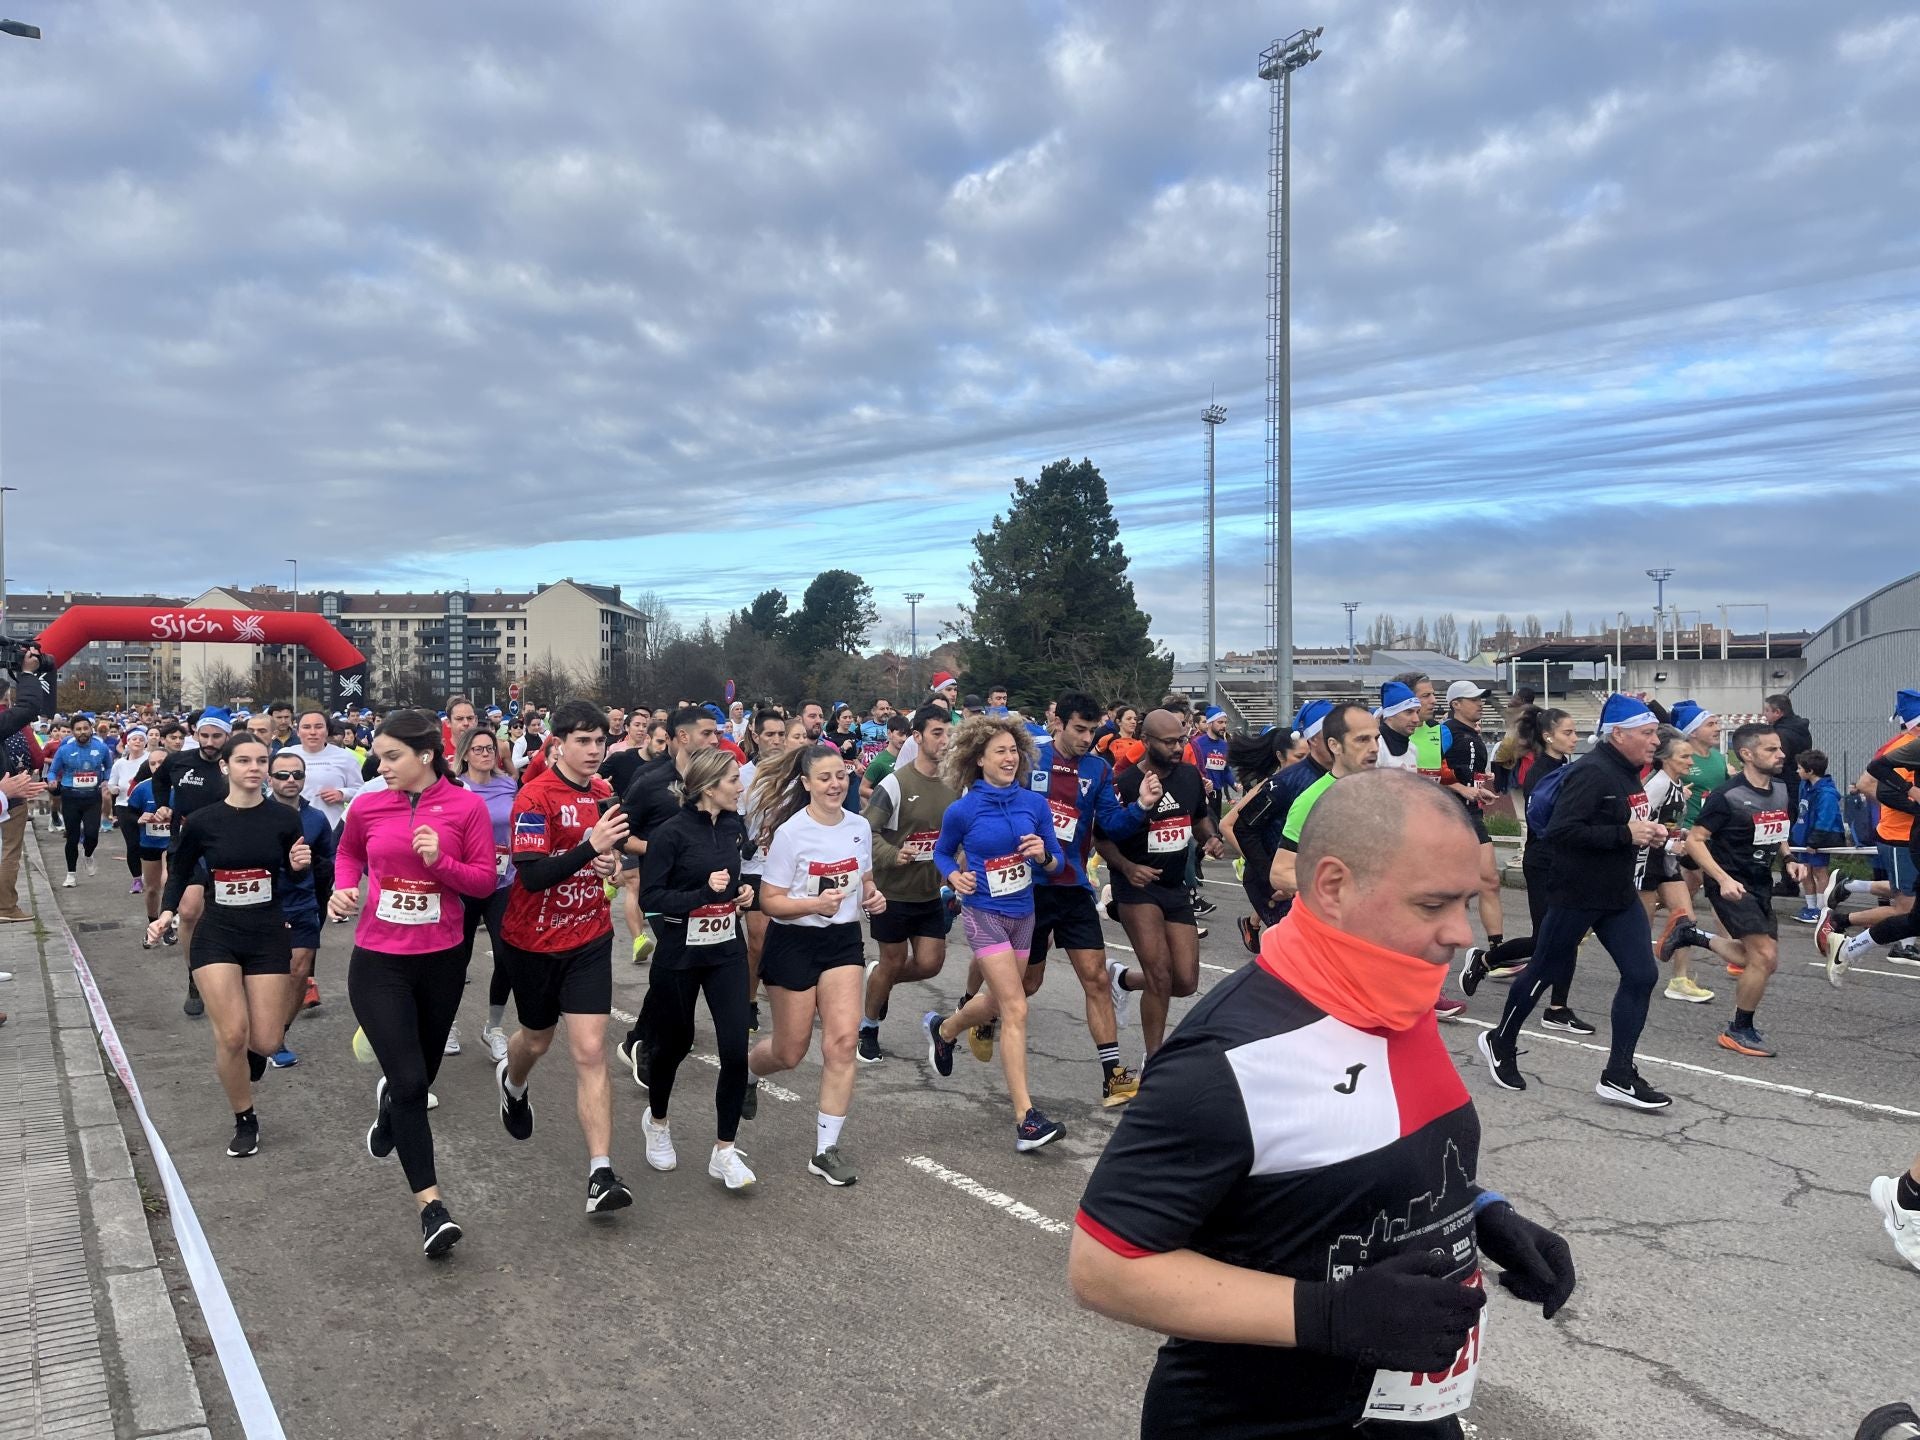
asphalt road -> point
(1733, 1278)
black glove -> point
(1399, 1315)
(1535, 1263)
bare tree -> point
(1446, 635)
(217, 684)
(1476, 639)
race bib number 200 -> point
(711, 925)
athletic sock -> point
(826, 1131)
(1859, 887)
(867, 1025)
(256, 1065)
(1859, 946)
(599, 1162)
(1909, 1193)
(496, 1017)
(1109, 1059)
(246, 1115)
(1742, 1019)
(518, 1092)
(1494, 942)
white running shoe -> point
(69, 882)
(1122, 997)
(659, 1142)
(729, 1167)
(93, 866)
(5, 975)
(495, 1039)
(1902, 1225)
(453, 1040)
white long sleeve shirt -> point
(329, 768)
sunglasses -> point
(287, 774)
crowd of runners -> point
(791, 867)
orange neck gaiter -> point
(1351, 979)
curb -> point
(156, 1380)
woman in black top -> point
(690, 883)
(242, 852)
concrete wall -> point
(1727, 687)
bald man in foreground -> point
(1293, 1195)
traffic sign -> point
(513, 691)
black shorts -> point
(1174, 903)
(1661, 869)
(1751, 914)
(549, 984)
(268, 953)
(905, 920)
(754, 881)
(796, 956)
(304, 934)
(1064, 915)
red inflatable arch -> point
(81, 624)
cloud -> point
(698, 299)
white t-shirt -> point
(807, 858)
(122, 778)
(755, 864)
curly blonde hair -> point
(960, 766)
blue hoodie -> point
(1819, 811)
(989, 822)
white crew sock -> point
(599, 1162)
(1859, 946)
(1859, 887)
(518, 1092)
(826, 1130)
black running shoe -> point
(606, 1192)
(1202, 905)
(1504, 1066)
(939, 1052)
(171, 935)
(870, 1052)
(1890, 1422)
(753, 1017)
(1631, 1091)
(633, 1055)
(246, 1136)
(1680, 937)
(1249, 934)
(195, 1006)
(1473, 970)
(516, 1115)
(750, 1103)
(1560, 1017)
(380, 1133)
(438, 1233)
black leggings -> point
(406, 1004)
(673, 993)
(1628, 941)
(77, 813)
(129, 827)
(1514, 952)
(493, 911)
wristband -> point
(1487, 1198)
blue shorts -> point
(1812, 859)
(304, 934)
(1897, 861)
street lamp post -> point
(1660, 576)
(5, 490)
(20, 28)
(1277, 64)
(1212, 417)
(296, 644)
(1353, 655)
(913, 599)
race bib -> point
(502, 861)
(1770, 828)
(1008, 875)
(157, 834)
(829, 877)
(84, 780)
(408, 902)
(1431, 1395)
(1216, 762)
(242, 887)
(1066, 821)
(1169, 834)
(919, 845)
(711, 925)
(1433, 775)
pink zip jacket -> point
(413, 908)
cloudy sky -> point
(702, 297)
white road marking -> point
(967, 1185)
(1774, 1085)
(1862, 970)
(1220, 969)
(767, 1087)
(623, 1017)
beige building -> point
(419, 647)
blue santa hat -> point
(1396, 699)
(1906, 708)
(1623, 712)
(216, 715)
(1312, 716)
(715, 711)
(1689, 717)
(1214, 712)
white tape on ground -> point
(251, 1402)
(1862, 970)
(1774, 1085)
(767, 1087)
(967, 1185)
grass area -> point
(1502, 825)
